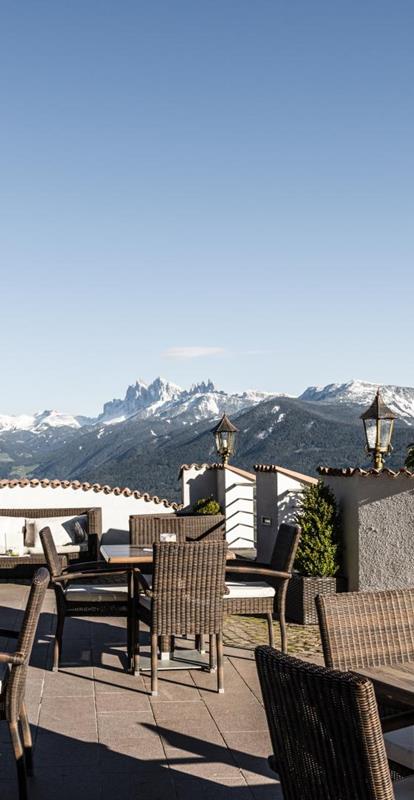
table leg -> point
(130, 620)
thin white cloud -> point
(193, 352)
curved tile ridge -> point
(84, 486)
(348, 472)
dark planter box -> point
(300, 600)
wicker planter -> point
(300, 600)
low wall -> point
(116, 504)
(378, 525)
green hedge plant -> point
(207, 505)
(318, 516)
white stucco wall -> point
(239, 509)
(116, 509)
(197, 482)
(234, 492)
(378, 525)
(277, 499)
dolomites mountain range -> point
(142, 440)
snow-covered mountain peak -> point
(37, 422)
(399, 398)
(203, 387)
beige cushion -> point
(62, 549)
(96, 593)
(404, 790)
(12, 534)
(246, 589)
(63, 529)
(399, 745)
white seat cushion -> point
(404, 790)
(96, 593)
(245, 589)
(63, 550)
(399, 745)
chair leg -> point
(270, 628)
(57, 648)
(220, 663)
(27, 740)
(154, 664)
(281, 605)
(136, 645)
(212, 655)
(19, 756)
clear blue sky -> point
(229, 174)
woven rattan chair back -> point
(325, 731)
(16, 683)
(53, 559)
(285, 547)
(146, 529)
(188, 586)
(362, 629)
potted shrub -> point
(318, 556)
(207, 505)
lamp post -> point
(378, 424)
(225, 436)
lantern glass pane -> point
(385, 430)
(230, 442)
(371, 433)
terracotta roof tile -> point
(290, 473)
(348, 472)
(244, 473)
(87, 487)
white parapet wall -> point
(378, 526)
(117, 504)
(233, 488)
(278, 492)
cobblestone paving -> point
(247, 632)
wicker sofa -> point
(24, 564)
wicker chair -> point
(255, 596)
(363, 629)
(325, 731)
(186, 598)
(145, 529)
(91, 589)
(13, 673)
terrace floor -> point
(99, 734)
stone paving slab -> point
(98, 732)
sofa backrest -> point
(93, 514)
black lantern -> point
(378, 423)
(225, 436)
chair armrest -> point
(11, 658)
(245, 569)
(88, 566)
(81, 575)
(139, 578)
(4, 632)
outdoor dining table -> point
(394, 682)
(133, 557)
